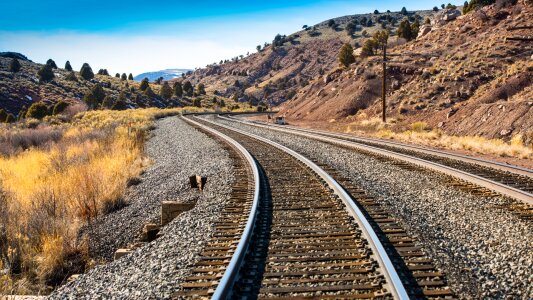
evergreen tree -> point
(415, 27)
(368, 47)
(403, 11)
(86, 72)
(178, 89)
(404, 30)
(10, 118)
(124, 77)
(37, 110)
(258, 48)
(59, 107)
(130, 77)
(14, 66)
(117, 75)
(200, 88)
(108, 102)
(376, 12)
(188, 88)
(166, 91)
(22, 113)
(51, 63)
(222, 103)
(120, 104)
(144, 84)
(346, 57)
(46, 73)
(95, 96)
(148, 92)
(3, 115)
(68, 67)
(435, 8)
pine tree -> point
(86, 72)
(51, 63)
(346, 57)
(108, 102)
(403, 11)
(178, 89)
(3, 115)
(166, 91)
(130, 77)
(124, 77)
(144, 84)
(200, 89)
(59, 107)
(95, 96)
(368, 47)
(37, 110)
(10, 118)
(46, 73)
(120, 104)
(14, 66)
(188, 88)
(404, 30)
(68, 67)
(117, 75)
(148, 92)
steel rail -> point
(393, 279)
(464, 158)
(475, 179)
(224, 287)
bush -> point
(130, 77)
(86, 72)
(51, 63)
(124, 77)
(405, 30)
(178, 89)
(10, 118)
(14, 66)
(120, 104)
(197, 102)
(144, 84)
(200, 88)
(3, 115)
(346, 57)
(95, 96)
(37, 110)
(46, 73)
(188, 88)
(59, 107)
(149, 93)
(68, 67)
(166, 91)
(419, 126)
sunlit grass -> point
(49, 190)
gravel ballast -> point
(155, 270)
(485, 251)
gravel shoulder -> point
(485, 251)
(155, 270)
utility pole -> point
(384, 84)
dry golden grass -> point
(421, 134)
(50, 190)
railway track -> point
(472, 173)
(310, 240)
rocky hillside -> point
(22, 89)
(459, 74)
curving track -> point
(511, 181)
(309, 238)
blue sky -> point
(137, 36)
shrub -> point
(46, 73)
(37, 110)
(200, 88)
(149, 93)
(403, 11)
(178, 89)
(419, 126)
(130, 77)
(435, 8)
(95, 96)
(86, 72)
(166, 91)
(120, 104)
(144, 84)
(405, 30)
(10, 118)
(3, 115)
(14, 65)
(59, 107)
(188, 88)
(51, 63)
(197, 102)
(124, 77)
(346, 57)
(376, 12)
(68, 67)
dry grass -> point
(67, 175)
(436, 138)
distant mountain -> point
(166, 74)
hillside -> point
(461, 76)
(19, 90)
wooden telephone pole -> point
(384, 84)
